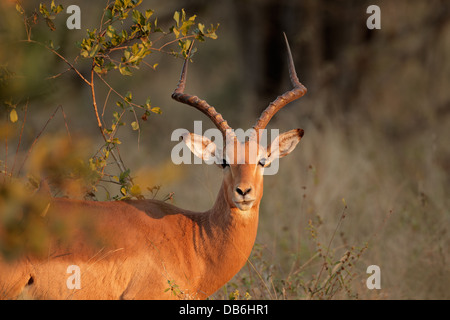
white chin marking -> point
(244, 206)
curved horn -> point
(289, 96)
(196, 102)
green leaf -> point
(156, 110)
(124, 35)
(43, 10)
(108, 14)
(116, 116)
(98, 69)
(124, 70)
(124, 175)
(201, 27)
(176, 33)
(211, 32)
(135, 125)
(187, 44)
(176, 17)
(13, 116)
(155, 23)
(135, 191)
(56, 9)
(192, 19)
(138, 17)
(109, 66)
(94, 51)
(129, 96)
(135, 48)
(19, 8)
(148, 13)
(111, 32)
(127, 55)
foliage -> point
(25, 202)
(21, 215)
(125, 37)
(322, 272)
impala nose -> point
(243, 192)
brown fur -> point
(148, 249)
(138, 250)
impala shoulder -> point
(154, 208)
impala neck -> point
(231, 239)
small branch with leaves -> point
(124, 38)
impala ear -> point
(283, 145)
(201, 146)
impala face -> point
(243, 169)
(243, 163)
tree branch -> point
(61, 57)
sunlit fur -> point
(147, 249)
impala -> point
(148, 249)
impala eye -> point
(225, 164)
(262, 162)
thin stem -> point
(94, 103)
(103, 16)
(160, 49)
(37, 138)
(57, 75)
(261, 279)
(118, 161)
(61, 57)
(6, 149)
(329, 245)
(20, 137)
(118, 94)
(66, 124)
(104, 105)
(139, 128)
(173, 41)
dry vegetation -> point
(369, 182)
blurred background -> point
(376, 118)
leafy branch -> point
(124, 38)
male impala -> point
(148, 249)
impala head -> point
(243, 162)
